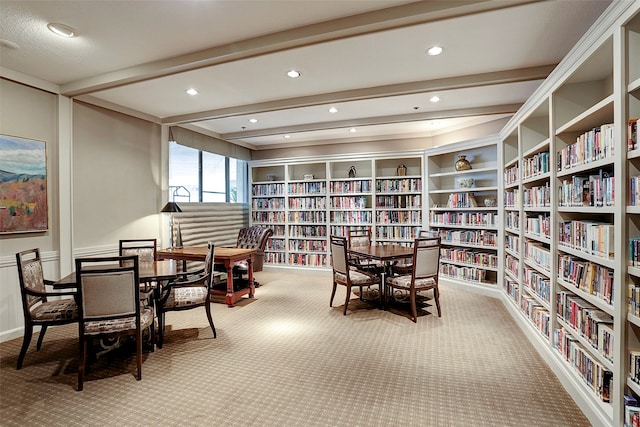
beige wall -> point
(116, 177)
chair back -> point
(339, 255)
(429, 233)
(108, 288)
(31, 278)
(426, 257)
(254, 237)
(359, 237)
(208, 264)
(146, 249)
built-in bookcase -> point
(307, 201)
(462, 207)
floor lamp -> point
(171, 208)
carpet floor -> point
(285, 358)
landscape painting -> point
(23, 185)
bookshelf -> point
(462, 207)
(306, 201)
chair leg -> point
(414, 311)
(160, 328)
(207, 308)
(436, 296)
(28, 332)
(333, 293)
(346, 300)
(139, 353)
(43, 329)
(82, 362)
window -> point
(200, 176)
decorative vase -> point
(466, 182)
(401, 171)
(352, 172)
(490, 202)
(463, 164)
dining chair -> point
(147, 251)
(109, 305)
(404, 266)
(188, 291)
(346, 275)
(37, 309)
(424, 273)
(361, 236)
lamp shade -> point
(171, 207)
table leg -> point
(230, 298)
(252, 286)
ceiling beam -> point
(380, 20)
(440, 85)
(370, 121)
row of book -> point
(587, 276)
(479, 259)
(308, 216)
(399, 185)
(537, 313)
(351, 202)
(539, 225)
(592, 372)
(535, 165)
(462, 200)
(267, 217)
(512, 243)
(275, 257)
(634, 252)
(512, 174)
(632, 134)
(397, 233)
(593, 190)
(316, 187)
(512, 220)
(470, 274)
(358, 186)
(631, 410)
(275, 245)
(316, 260)
(307, 203)
(511, 287)
(512, 198)
(591, 323)
(398, 217)
(511, 264)
(278, 230)
(538, 254)
(538, 196)
(267, 189)
(407, 201)
(343, 230)
(308, 245)
(633, 299)
(538, 283)
(268, 203)
(469, 237)
(596, 144)
(351, 217)
(483, 219)
(307, 231)
(634, 191)
(591, 237)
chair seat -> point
(64, 309)
(185, 297)
(404, 282)
(97, 327)
(357, 278)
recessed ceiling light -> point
(434, 98)
(353, 130)
(333, 110)
(192, 91)
(294, 74)
(62, 30)
(9, 44)
(253, 120)
(435, 50)
(287, 136)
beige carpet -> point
(287, 359)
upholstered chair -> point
(254, 237)
(37, 308)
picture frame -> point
(23, 185)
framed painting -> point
(23, 185)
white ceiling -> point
(365, 57)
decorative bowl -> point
(490, 202)
(466, 182)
